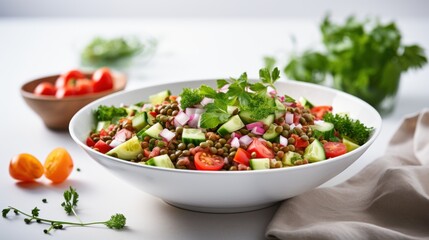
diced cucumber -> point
(290, 158)
(127, 150)
(159, 97)
(268, 120)
(324, 130)
(271, 134)
(246, 117)
(153, 131)
(315, 152)
(139, 121)
(150, 119)
(231, 109)
(161, 161)
(280, 109)
(193, 135)
(233, 124)
(142, 133)
(102, 125)
(350, 145)
(259, 163)
(305, 103)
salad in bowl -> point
(228, 145)
(238, 126)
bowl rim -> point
(377, 129)
(118, 77)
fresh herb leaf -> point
(221, 83)
(289, 99)
(105, 113)
(190, 97)
(116, 221)
(351, 128)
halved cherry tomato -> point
(68, 78)
(84, 86)
(25, 167)
(334, 149)
(261, 150)
(58, 165)
(65, 91)
(102, 146)
(242, 156)
(319, 111)
(102, 79)
(208, 162)
(45, 88)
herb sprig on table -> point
(240, 93)
(116, 221)
(364, 58)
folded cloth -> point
(388, 199)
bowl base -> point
(220, 209)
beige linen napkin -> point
(388, 199)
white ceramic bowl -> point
(223, 191)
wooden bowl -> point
(56, 113)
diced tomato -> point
(102, 146)
(261, 150)
(45, 88)
(334, 149)
(89, 142)
(155, 152)
(319, 111)
(242, 156)
(153, 113)
(296, 118)
(208, 162)
(104, 133)
(299, 142)
(146, 152)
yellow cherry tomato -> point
(25, 167)
(58, 165)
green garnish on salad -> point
(240, 125)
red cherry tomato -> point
(68, 78)
(319, 111)
(84, 86)
(334, 149)
(102, 146)
(65, 91)
(208, 162)
(261, 150)
(102, 79)
(45, 88)
(242, 156)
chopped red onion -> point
(182, 118)
(176, 123)
(283, 141)
(245, 140)
(271, 91)
(235, 142)
(258, 130)
(167, 135)
(146, 107)
(289, 118)
(123, 134)
(190, 111)
(193, 120)
(114, 143)
(236, 134)
(206, 101)
(251, 126)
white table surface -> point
(188, 49)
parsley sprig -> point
(116, 221)
(241, 93)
